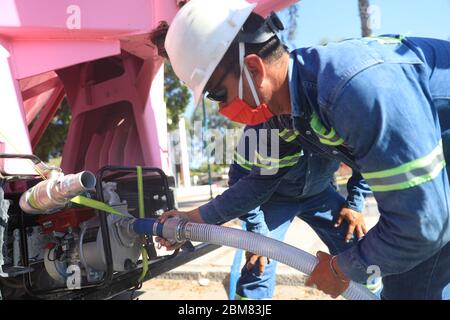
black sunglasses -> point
(218, 94)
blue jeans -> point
(319, 212)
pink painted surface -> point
(48, 55)
(100, 52)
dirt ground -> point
(171, 289)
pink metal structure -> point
(100, 55)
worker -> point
(306, 192)
(379, 105)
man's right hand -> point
(252, 259)
(192, 216)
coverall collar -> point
(294, 88)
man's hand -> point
(332, 282)
(355, 223)
(251, 260)
(174, 213)
(193, 216)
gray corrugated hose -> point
(181, 230)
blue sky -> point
(338, 19)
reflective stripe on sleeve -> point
(409, 174)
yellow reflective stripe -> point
(332, 143)
(279, 166)
(409, 174)
(329, 138)
(238, 297)
(288, 135)
(292, 137)
(283, 133)
(244, 166)
(269, 159)
(418, 163)
(288, 161)
(241, 161)
(411, 183)
(317, 126)
(274, 163)
(262, 162)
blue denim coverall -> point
(382, 105)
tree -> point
(363, 6)
(288, 35)
(52, 141)
(293, 17)
(176, 96)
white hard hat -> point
(199, 36)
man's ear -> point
(257, 68)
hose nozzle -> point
(53, 194)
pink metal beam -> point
(34, 105)
(40, 88)
(53, 55)
(62, 19)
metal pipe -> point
(53, 194)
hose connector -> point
(173, 229)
